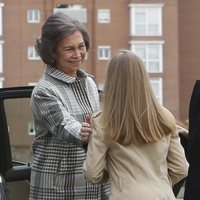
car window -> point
(20, 128)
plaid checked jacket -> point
(59, 104)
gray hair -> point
(56, 27)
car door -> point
(16, 136)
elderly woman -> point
(60, 102)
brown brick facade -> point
(180, 48)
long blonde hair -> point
(130, 111)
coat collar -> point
(55, 73)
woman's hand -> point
(86, 130)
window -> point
(20, 120)
(146, 19)
(33, 16)
(151, 53)
(101, 86)
(74, 11)
(32, 53)
(1, 19)
(1, 82)
(103, 16)
(156, 84)
(104, 52)
(31, 128)
(32, 83)
(1, 56)
(100, 90)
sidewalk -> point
(181, 193)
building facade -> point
(164, 33)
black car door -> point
(16, 136)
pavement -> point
(181, 193)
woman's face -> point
(70, 53)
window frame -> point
(1, 18)
(32, 51)
(33, 16)
(31, 127)
(1, 56)
(102, 52)
(159, 81)
(103, 16)
(1, 81)
(72, 11)
(147, 10)
(147, 59)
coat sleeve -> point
(48, 108)
(177, 163)
(94, 168)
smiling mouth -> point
(75, 61)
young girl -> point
(134, 141)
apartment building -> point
(164, 33)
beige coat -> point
(145, 172)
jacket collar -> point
(57, 74)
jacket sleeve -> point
(47, 107)
(177, 163)
(94, 168)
